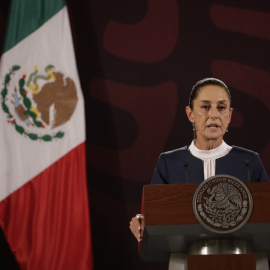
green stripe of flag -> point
(26, 16)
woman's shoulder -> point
(183, 151)
(243, 151)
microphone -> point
(186, 170)
(248, 171)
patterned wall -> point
(137, 62)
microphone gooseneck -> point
(186, 170)
(247, 163)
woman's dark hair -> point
(204, 82)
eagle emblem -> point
(222, 203)
(39, 103)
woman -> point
(210, 113)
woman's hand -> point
(136, 225)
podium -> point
(172, 232)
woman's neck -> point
(208, 144)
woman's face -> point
(211, 113)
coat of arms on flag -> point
(39, 102)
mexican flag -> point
(44, 210)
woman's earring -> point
(227, 130)
(193, 127)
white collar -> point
(218, 152)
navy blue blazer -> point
(181, 167)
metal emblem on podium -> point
(222, 203)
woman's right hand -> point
(136, 226)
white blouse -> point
(209, 157)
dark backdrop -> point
(137, 62)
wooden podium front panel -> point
(222, 262)
(169, 204)
(261, 197)
(172, 204)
